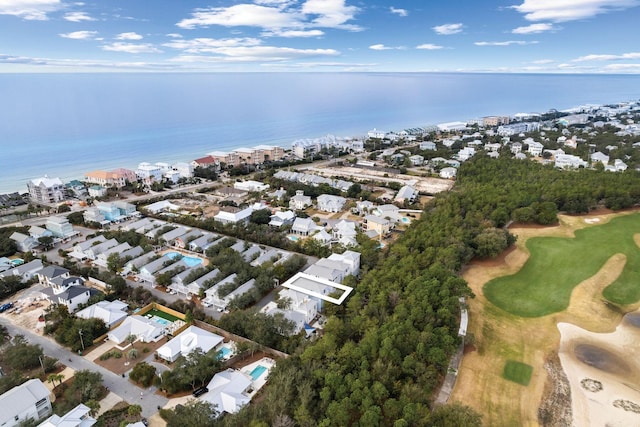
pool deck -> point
(262, 380)
(184, 252)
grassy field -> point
(500, 336)
(558, 264)
(517, 372)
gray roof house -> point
(330, 203)
(24, 243)
(28, 400)
(25, 271)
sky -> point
(523, 36)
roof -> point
(317, 287)
(110, 312)
(52, 271)
(190, 339)
(77, 417)
(21, 398)
(46, 181)
(136, 325)
(226, 391)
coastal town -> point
(185, 284)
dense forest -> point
(385, 353)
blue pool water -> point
(160, 320)
(17, 261)
(191, 261)
(223, 353)
(293, 238)
(257, 372)
(406, 220)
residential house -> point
(300, 308)
(229, 391)
(212, 292)
(203, 242)
(406, 194)
(123, 254)
(6, 264)
(29, 400)
(345, 232)
(38, 232)
(107, 179)
(97, 191)
(110, 312)
(69, 291)
(272, 255)
(202, 282)
(251, 253)
(535, 148)
(136, 263)
(76, 417)
(162, 206)
(466, 153)
(428, 145)
(330, 203)
(230, 215)
(323, 236)
(60, 227)
(299, 201)
(93, 251)
(362, 207)
(46, 190)
(304, 226)
(116, 211)
(516, 147)
(51, 272)
(416, 160)
(144, 329)
(24, 243)
(250, 186)
(190, 339)
(183, 241)
(25, 271)
(170, 236)
(380, 225)
(221, 303)
(318, 289)
(94, 215)
(146, 272)
(149, 173)
(599, 157)
(569, 161)
(448, 173)
(79, 249)
(282, 218)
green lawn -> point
(556, 265)
(517, 372)
(161, 314)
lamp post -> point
(42, 364)
(81, 340)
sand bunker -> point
(604, 373)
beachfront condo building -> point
(46, 190)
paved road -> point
(117, 384)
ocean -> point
(67, 124)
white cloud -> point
(629, 68)
(30, 9)
(399, 12)
(293, 33)
(533, 29)
(276, 15)
(128, 36)
(78, 17)
(543, 61)
(630, 55)
(131, 48)
(250, 15)
(174, 35)
(383, 47)
(208, 45)
(429, 46)
(80, 35)
(569, 10)
(255, 54)
(505, 43)
(448, 29)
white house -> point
(281, 218)
(448, 173)
(599, 157)
(516, 147)
(93, 251)
(416, 160)
(145, 330)
(375, 133)
(569, 161)
(24, 243)
(162, 206)
(189, 340)
(79, 249)
(428, 145)
(77, 417)
(111, 312)
(29, 400)
(46, 190)
(535, 148)
(330, 203)
(406, 193)
(299, 201)
(222, 303)
(233, 215)
(203, 242)
(250, 186)
(69, 291)
(228, 391)
(24, 271)
(304, 226)
(60, 227)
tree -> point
(134, 410)
(132, 354)
(76, 218)
(354, 191)
(94, 407)
(114, 263)
(22, 355)
(46, 241)
(194, 413)
(4, 334)
(455, 415)
(143, 374)
(491, 242)
(87, 385)
(261, 216)
(63, 208)
(55, 377)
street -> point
(121, 386)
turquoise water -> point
(257, 372)
(293, 238)
(406, 220)
(223, 353)
(160, 320)
(189, 260)
(17, 261)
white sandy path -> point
(596, 408)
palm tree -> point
(55, 377)
(134, 410)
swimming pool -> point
(224, 352)
(293, 238)
(160, 320)
(257, 372)
(191, 261)
(406, 220)
(17, 261)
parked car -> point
(200, 391)
(5, 307)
